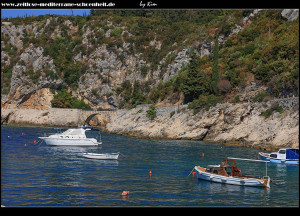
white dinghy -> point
(105, 156)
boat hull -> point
(113, 156)
(70, 142)
(264, 156)
(282, 161)
(231, 180)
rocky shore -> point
(233, 124)
(227, 123)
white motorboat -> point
(71, 137)
(106, 156)
(228, 173)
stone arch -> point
(100, 119)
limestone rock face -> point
(225, 123)
(107, 52)
(290, 14)
(106, 65)
(31, 64)
(39, 99)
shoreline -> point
(238, 124)
(264, 147)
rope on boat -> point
(122, 154)
(191, 172)
(39, 142)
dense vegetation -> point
(266, 49)
(64, 99)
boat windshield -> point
(74, 132)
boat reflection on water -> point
(214, 191)
(106, 162)
(70, 150)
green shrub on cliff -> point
(204, 102)
(274, 108)
(259, 97)
(65, 100)
(115, 32)
(151, 112)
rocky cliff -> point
(94, 57)
(103, 55)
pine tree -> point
(196, 82)
(215, 72)
(189, 83)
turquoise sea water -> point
(38, 175)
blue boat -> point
(283, 156)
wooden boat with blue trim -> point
(228, 173)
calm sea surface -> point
(40, 175)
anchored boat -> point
(106, 156)
(284, 155)
(72, 137)
(228, 173)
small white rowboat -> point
(106, 156)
